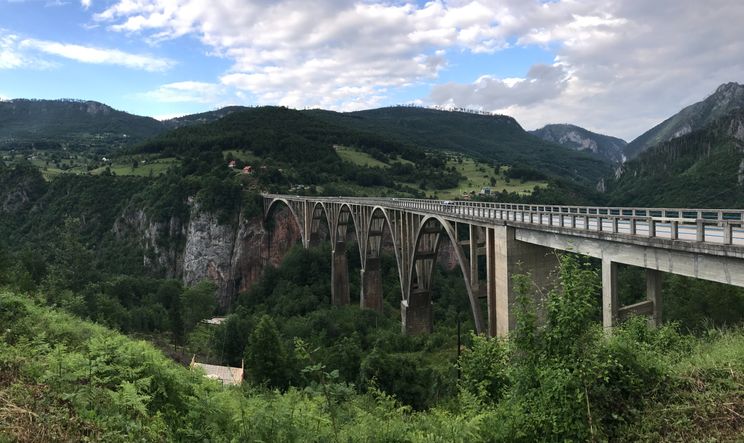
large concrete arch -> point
(376, 221)
(318, 211)
(274, 203)
(416, 309)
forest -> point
(63, 378)
(97, 331)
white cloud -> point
(338, 54)
(186, 92)
(88, 54)
(630, 64)
(542, 82)
(12, 55)
(620, 67)
(85, 3)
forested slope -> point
(702, 169)
(494, 138)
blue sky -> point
(613, 66)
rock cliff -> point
(230, 255)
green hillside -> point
(491, 138)
(580, 139)
(702, 169)
(727, 98)
(73, 124)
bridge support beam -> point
(505, 257)
(653, 294)
(610, 303)
(416, 313)
(371, 285)
(340, 275)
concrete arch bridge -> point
(701, 243)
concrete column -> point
(416, 313)
(340, 275)
(491, 282)
(507, 256)
(609, 293)
(653, 293)
(371, 285)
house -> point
(231, 164)
(225, 374)
(485, 191)
(248, 170)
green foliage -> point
(491, 137)
(699, 169)
(266, 356)
(198, 303)
(483, 369)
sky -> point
(617, 67)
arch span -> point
(416, 308)
(298, 220)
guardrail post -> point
(633, 227)
(615, 227)
(727, 233)
(651, 227)
(700, 232)
(600, 228)
(674, 230)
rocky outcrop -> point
(233, 256)
(580, 139)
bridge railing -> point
(718, 226)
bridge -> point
(514, 238)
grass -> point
(152, 167)
(478, 176)
(360, 158)
(246, 156)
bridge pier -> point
(613, 313)
(371, 285)
(505, 257)
(340, 275)
(416, 313)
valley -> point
(149, 237)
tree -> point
(198, 303)
(266, 355)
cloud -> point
(88, 54)
(331, 53)
(542, 82)
(629, 64)
(85, 3)
(620, 65)
(186, 92)
(12, 55)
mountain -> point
(495, 138)
(76, 123)
(704, 168)
(728, 96)
(203, 117)
(580, 139)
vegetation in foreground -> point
(65, 379)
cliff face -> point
(231, 256)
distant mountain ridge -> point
(726, 98)
(73, 121)
(580, 139)
(704, 168)
(497, 138)
(202, 117)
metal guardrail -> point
(714, 226)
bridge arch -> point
(317, 214)
(377, 222)
(299, 221)
(416, 307)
